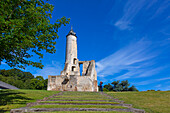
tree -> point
(23, 80)
(125, 84)
(132, 88)
(45, 84)
(109, 87)
(120, 86)
(117, 86)
(25, 30)
(37, 83)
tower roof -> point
(71, 32)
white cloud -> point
(161, 8)
(131, 9)
(123, 25)
(152, 81)
(134, 59)
(158, 86)
(134, 7)
(3, 63)
(54, 69)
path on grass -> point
(78, 101)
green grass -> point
(80, 99)
(80, 96)
(85, 112)
(150, 101)
(74, 93)
(79, 106)
(85, 102)
(10, 99)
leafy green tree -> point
(25, 30)
(106, 90)
(120, 86)
(109, 87)
(125, 84)
(23, 80)
(115, 82)
(117, 86)
(132, 88)
(37, 83)
(45, 84)
(40, 78)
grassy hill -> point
(10, 99)
(150, 101)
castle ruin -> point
(71, 78)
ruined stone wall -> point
(86, 82)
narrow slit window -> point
(74, 61)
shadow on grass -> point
(8, 97)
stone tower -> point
(71, 61)
(70, 78)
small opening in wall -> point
(74, 61)
(73, 68)
(70, 86)
(81, 69)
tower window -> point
(73, 68)
(74, 61)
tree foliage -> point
(23, 80)
(25, 29)
(119, 86)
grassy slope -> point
(85, 112)
(78, 106)
(10, 99)
(80, 96)
(80, 99)
(91, 102)
(150, 101)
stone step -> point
(85, 100)
(91, 100)
(124, 105)
(21, 110)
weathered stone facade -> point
(71, 79)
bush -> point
(106, 90)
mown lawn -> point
(80, 96)
(150, 101)
(81, 102)
(79, 106)
(10, 99)
(80, 99)
(85, 112)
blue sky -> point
(128, 39)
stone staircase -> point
(78, 101)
